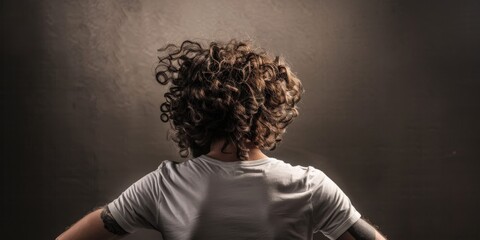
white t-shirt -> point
(204, 198)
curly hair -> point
(226, 90)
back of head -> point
(230, 91)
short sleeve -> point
(137, 207)
(333, 213)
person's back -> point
(226, 103)
(205, 198)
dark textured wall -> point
(391, 109)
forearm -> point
(374, 236)
(91, 227)
(362, 230)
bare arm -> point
(361, 230)
(97, 225)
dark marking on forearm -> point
(361, 230)
(110, 224)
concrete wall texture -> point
(390, 112)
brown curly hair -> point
(226, 90)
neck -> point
(230, 152)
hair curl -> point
(226, 90)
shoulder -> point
(309, 175)
(189, 171)
(167, 166)
(309, 171)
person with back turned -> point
(226, 104)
